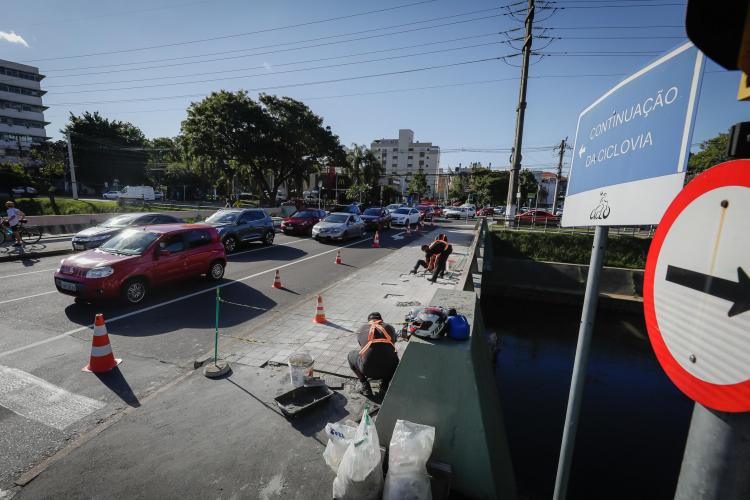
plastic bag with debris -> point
(411, 447)
(360, 474)
(339, 437)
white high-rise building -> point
(402, 158)
(21, 111)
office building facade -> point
(21, 112)
(402, 158)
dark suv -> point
(237, 226)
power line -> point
(235, 35)
(281, 44)
(312, 68)
(275, 65)
(609, 27)
(557, 5)
(300, 84)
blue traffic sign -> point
(632, 144)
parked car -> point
(158, 195)
(559, 212)
(537, 217)
(132, 262)
(459, 213)
(302, 221)
(20, 191)
(237, 226)
(339, 226)
(111, 195)
(437, 210)
(499, 211)
(486, 212)
(376, 218)
(394, 206)
(405, 215)
(352, 208)
(426, 211)
(92, 237)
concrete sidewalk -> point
(385, 286)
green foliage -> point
(104, 150)
(490, 187)
(11, 176)
(52, 158)
(273, 140)
(712, 152)
(357, 191)
(459, 187)
(527, 184)
(622, 251)
(363, 166)
(418, 185)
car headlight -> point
(99, 272)
(59, 266)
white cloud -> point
(13, 38)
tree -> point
(356, 191)
(489, 186)
(712, 152)
(418, 185)
(363, 165)
(104, 150)
(272, 141)
(459, 187)
(527, 184)
(52, 160)
(13, 175)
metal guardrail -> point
(545, 226)
(466, 281)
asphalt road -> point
(45, 337)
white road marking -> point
(172, 301)
(293, 242)
(30, 272)
(36, 399)
(28, 297)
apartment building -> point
(403, 157)
(21, 111)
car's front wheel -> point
(268, 238)
(230, 244)
(215, 270)
(134, 290)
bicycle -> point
(29, 234)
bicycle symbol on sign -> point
(602, 209)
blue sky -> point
(470, 105)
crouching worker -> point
(422, 262)
(378, 358)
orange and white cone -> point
(320, 313)
(376, 240)
(338, 257)
(102, 359)
(408, 229)
(277, 280)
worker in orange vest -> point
(377, 359)
(442, 257)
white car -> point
(393, 207)
(111, 195)
(459, 213)
(405, 215)
(20, 191)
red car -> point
(302, 222)
(137, 259)
(426, 211)
(537, 217)
(486, 212)
(437, 210)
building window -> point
(421, 154)
(409, 157)
(395, 165)
(411, 149)
(395, 150)
(408, 165)
(395, 157)
(421, 163)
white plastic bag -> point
(360, 474)
(339, 437)
(411, 446)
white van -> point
(137, 193)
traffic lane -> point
(78, 317)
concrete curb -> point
(31, 255)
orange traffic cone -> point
(277, 280)
(376, 240)
(320, 314)
(102, 360)
(408, 230)
(338, 257)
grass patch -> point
(622, 251)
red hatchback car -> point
(302, 221)
(137, 259)
(537, 217)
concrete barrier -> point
(450, 385)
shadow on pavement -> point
(279, 252)
(116, 383)
(171, 317)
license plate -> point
(78, 246)
(66, 285)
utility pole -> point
(73, 182)
(563, 146)
(515, 172)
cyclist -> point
(13, 219)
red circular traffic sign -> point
(696, 290)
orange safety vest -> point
(376, 325)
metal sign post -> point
(629, 162)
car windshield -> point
(223, 218)
(337, 218)
(304, 213)
(120, 220)
(372, 211)
(393, 207)
(130, 242)
(403, 211)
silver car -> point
(339, 226)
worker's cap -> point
(374, 315)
